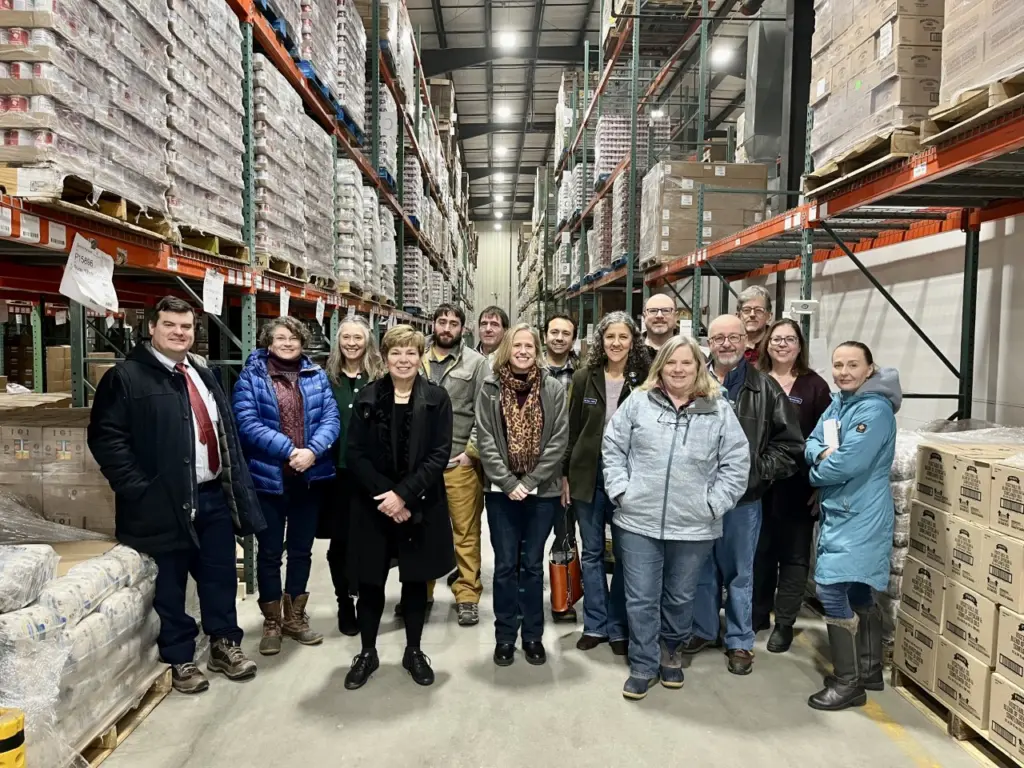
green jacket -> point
(586, 428)
(345, 396)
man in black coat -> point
(163, 435)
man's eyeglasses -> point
(753, 312)
(655, 311)
(732, 338)
(783, 341)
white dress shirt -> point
(203, 472)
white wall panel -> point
(495, 264)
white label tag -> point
(665, 231)
(686, 183)
(686, 201)
(5, 222)
(213, 292)
(57, 236)
(789, 222)
(351, 310)
(29, 228)
(812, 215)
(822, 85)
(664, 245)
(60, 316)
(920, 170)
(885, 40)
(830, 428)
(321, 305)
(719, 170)
(566, 238)
(707, 215)
(665, 214)
(89, 277)
(172, 262)
(110, 321)
(284, 300)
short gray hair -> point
(296, 327)
(754, 292)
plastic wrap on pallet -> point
(83, 92)
(603, 230)
(318, 39)
(348, 217)
(414, 277)
(350, 75)
(371, 241)
(897, 559)
(565, 198)
(388, 122)
(205, 115)
(901, 530)
(24, 571)
(620, 216)
(902, 491)
(279, 165)
(413, 180)
(318, 200)
(988, 47)
(21, 524)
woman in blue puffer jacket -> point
(287, 421)
(850, 454)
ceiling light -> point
(499, 198)
(507, 39)
(497, 226)
(721, 56)
(504, 112)
(499, 177)
(501, 151)
(498, 214)
(657, 114)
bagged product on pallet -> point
(388, 253)
(318, 200)
(24, 570)
(350, 74)
(414, 277)
(318, 40)
(412, 203)
(371, 241)
(348, 216)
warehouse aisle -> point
(568, 713)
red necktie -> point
(207, 433)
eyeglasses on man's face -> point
(784, 341)
(753, 312)
(732, 338)
(655, 311)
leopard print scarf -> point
(523, 425)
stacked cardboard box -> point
(45, 460)
(961, 632)
(19, 360)
(988, 46)
(58, 369)
(670, 215)
(95, 371)
(875, 67)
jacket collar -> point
(258, 360)
(143, 353)
(700, 405)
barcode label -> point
(970, 493)
(1010, 664)
(1004, 733)
(1001, 574)
(947, 689)
(959, 554)
(1013, 506)
(954, 629)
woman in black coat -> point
(399, 442)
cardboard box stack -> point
(875, 67)
(961, 629)
(58, 369)
(988, 46)
(670, 216)
(45, 460)
(19, 361)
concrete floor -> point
(568, 713)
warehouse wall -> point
(926, 277)
(495, 262)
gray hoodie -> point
(674, 474)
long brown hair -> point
(800, 364)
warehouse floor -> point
(568, 713)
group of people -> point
(708, 466)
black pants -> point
(565, 529)
(334, 517)
(783, 556)
(370, 609)
(212, 565)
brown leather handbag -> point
(564, 571)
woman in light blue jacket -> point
(675, 461)
(850, 454)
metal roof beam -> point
(482, 201)
(473, 130)
(720, 16)
(436, 61)
(484, 173)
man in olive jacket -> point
(163, 435)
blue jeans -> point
(212, 565)
(519, 592)
(660, 579)
(604, 612)
(730, 563)
(297, 509)
(840, 600)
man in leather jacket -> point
(773, 431)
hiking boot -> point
(741, 662)
(417, 664)
(535, 653)
(347, 623)
(564, 617)
(227, 658)
(363, 665)
(636, 687)
(590, 642)
(468, 613)
(781, 639)
(695, 645)
(270, 643)
(187, 678)
(296, 621)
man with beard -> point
(461, 371)
(755, 310)
(491, 327)
(772, 427)
(661, 321)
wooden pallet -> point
(870, 155)
(225, 247)
(74, 195)
(939, 712)
(324, 283)
(277, 266)
(112, 733)
(973, 109)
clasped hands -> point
(393, 505)
(301, 459)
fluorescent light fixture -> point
(501, 151)
(657, 114)
(721, 55)
(499, 177)
(498, 215)
(499, 198)
(507, 39)
(497, 226)
(504, 111)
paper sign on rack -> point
(351, 310)
(110, 321)
(321, 305)
(89, 277)
(60, 317)
(213, 292)
(285, 299)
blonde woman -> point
(675, 461)
(354, 363)
(522, 432)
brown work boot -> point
(270, 643)
(227, 658)
(296, 622)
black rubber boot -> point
(869, 648)
(842, 688)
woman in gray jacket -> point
(675, 461)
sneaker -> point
(564, 617)
(589, 642)
(468, 613)
(504, 654)
(636, 687)
(363, 665)
(227, 658)
(619, 647)
(535, 653)
(695, 645)
(781, 639)
(187, 678)
(741, 662)
(417, 664)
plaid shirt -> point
(565, 373)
